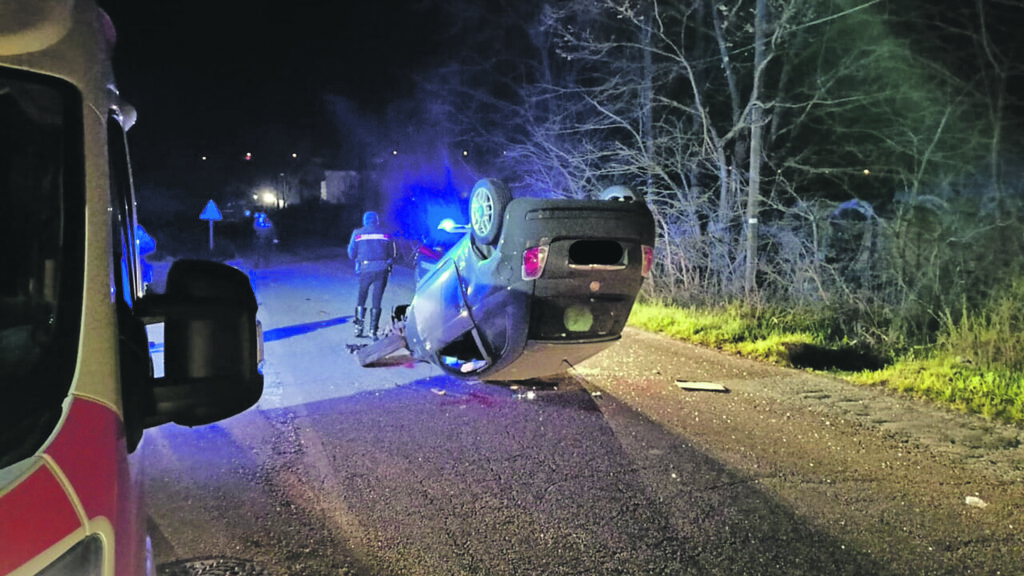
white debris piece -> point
(706, 386)
(975, 501)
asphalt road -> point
(610, 469)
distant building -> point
(339, 186)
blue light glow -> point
(449, 225)
(427, 200)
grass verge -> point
(788, 339)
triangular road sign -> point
(211, 212)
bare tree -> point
(748, 125)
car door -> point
(440, 313)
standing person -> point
(266, 237)
(373, 250)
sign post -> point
(211, 214)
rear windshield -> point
(41, 255)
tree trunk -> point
(647, 99)
(756, 128)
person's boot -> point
(374, 322)
(358, 320)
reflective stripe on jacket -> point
(371, 248)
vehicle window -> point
(42, 226)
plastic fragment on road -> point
(596, 394)
(438, 391)
(381, 348)
(975, 502)
(701, 386)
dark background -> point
(214, 82)
(208, 77)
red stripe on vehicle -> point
(34, 515)
(90, 451)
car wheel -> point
(487, 205)
(619, 193)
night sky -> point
(231, 76)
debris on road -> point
(353, 348)
(438, 391)
(702, 386)
(975, 501)
(381, 348)
(219, 565)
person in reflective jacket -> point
(373, 250)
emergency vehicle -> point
(77, 378)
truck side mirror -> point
(213, 345)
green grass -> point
(715, 329)
(946, 374)
(993, 393)
(732, 329)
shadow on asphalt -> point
(286, 332)
(459, 477)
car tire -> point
(487, 203)
(619, 193)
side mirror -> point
(213, 345)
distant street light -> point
(267, 196)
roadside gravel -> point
(922, 488)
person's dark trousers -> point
(377, 281)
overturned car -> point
(534, 286)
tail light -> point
(534, 260)
(432, 253)
(648, 262)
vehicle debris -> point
(701, 386)
(975, 502)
